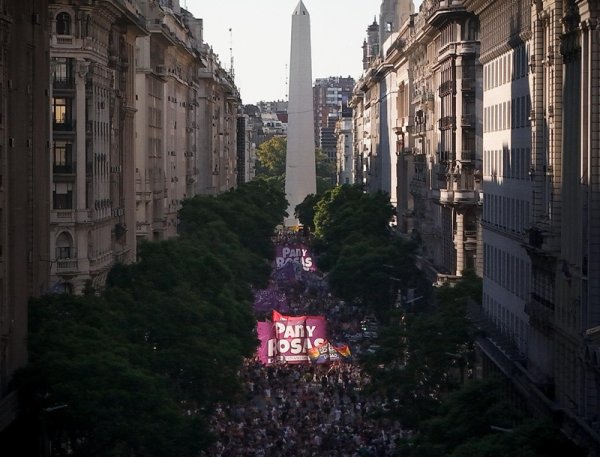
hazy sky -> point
(260, 39)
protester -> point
(305, 409)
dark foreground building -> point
(24, 186)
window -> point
(63, 24)
(62, 195)
(61, 112)
(64, 246)
(63, 73)
(63, 157)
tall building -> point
(329, 95)
(300, 178)
(375, 100)
(540, 222)
(186, 120)
(344, 147)
(24, 181)
(92, 217)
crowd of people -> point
(303, 409)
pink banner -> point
(288, 338)
(295, 252)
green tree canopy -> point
(477, 421)
(271, 157)
(346, 211)
(141, 366)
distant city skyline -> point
(260, 39)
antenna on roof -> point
(286, 82)
(231, 70)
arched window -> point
(64, 246)
(63, 24)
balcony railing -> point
(63, 83)
(445, 156)
(467, 120)
(68, 168)
(468, 156)
(65, 126)
(447, 87)
(468, 84)
(66, 265)
(450, 197)
(447, 122)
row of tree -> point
(366, 262)
(137, 369)
(271, 157)
(426, 360)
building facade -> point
(92, 218)
(24, 181)
(186, 119)
(329, 96)
(540, 213)
(417, 101)
(344, 148)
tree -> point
(141, 367)
(306, 211)
(372, 271)
(346, 211)
(271, 157)
(476, 421)
(325, 172)
(429, 354)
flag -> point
(343, 350)
(320, 353)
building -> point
(446, 97)
(497, 172)
(329, 95)
(186, 119)
(344, 148)
(246, 148)
(24, 183)
(540, 222)
(92, 217)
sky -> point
(260, 39)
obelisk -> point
(300, 172)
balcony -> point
(447, 122)
(468, 120)
(447, 88)
(102, 261)
(65, 126)
(63, 83)
(467, 84)
(446, 197)
(461, 196)
(65, 266)
(62, 216)
(445, 157)
(66, 169)
(468, 156)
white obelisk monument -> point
(300, 172)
